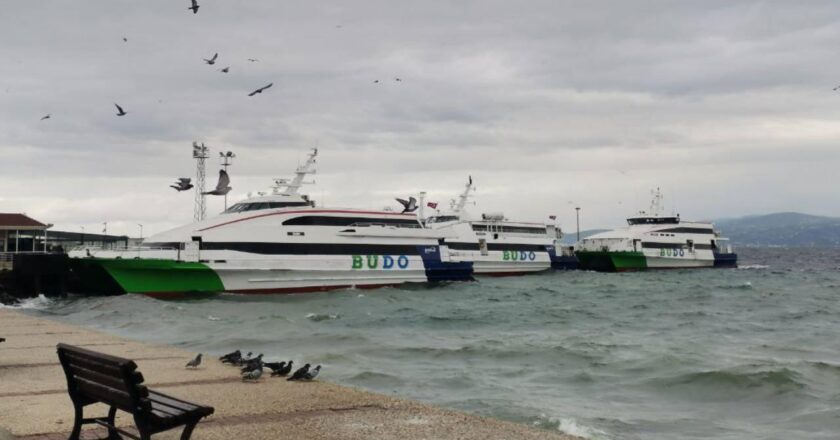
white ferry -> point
(276, 243)
(656, 241)
(492, 243)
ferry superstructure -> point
(656, 241)
(278, 243)
(492, 243)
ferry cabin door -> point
(192, 250)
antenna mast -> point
(200, 154)
(300, 173)
(458, 207)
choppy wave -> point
(779, 380)
(322, 316)
(39, 302)
(754, 267)
(571, 426)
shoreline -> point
(34, 403)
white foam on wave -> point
(569, 425)
(38, 302)
(213, 318)
(754, 267)
(322, 316)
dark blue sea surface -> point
(748, 353)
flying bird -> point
(253, 60)
(223, 187)
(212, 59)
(409, 205)
(120, 111)
(397, 79)
(47, 116)
(225, 70)
(194, 6)
(312, 374)
(300, 373)
(195, 362)
(260, 90)
(283, 371)
(182, 184)
(125, 39)
(376, 81)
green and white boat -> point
(656, 241)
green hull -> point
(154, 276)
(603, 261)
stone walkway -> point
(34, 403)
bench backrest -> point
(99, 377)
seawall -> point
(34, 403)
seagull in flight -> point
(212, 60)
(376, 81)
(125, 39)
(49, 115)
(225, 70)
(120, 111)
(260, 90)
(194, 6)
(397, 79)
(223, 187)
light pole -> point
(577, 216)
(141, 231)
(226, 159)
(83, 236)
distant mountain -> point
(782, 229)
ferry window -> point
(323, 220)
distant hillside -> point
(782, 229)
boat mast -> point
(300, 173)
(458, 207)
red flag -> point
(432, 205)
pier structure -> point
(35, 405)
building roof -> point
(11, 221)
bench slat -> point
(92, 364)
(178, 404)
(109, 380)
(105, 394)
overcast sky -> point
(727, 106)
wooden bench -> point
(94, 377)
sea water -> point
(748, 353)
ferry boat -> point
(656, 241)
(276, 243)
(493, 244)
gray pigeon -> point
(182, 184)
(193, 6)
(409, 205)
(300, 373)
(252, 375)
(223, 187)
(195, 362)
(120, 112)
(313, 373)
(212, 60)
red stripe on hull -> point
(309, 211)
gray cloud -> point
(548, 104)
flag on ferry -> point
(432, 205)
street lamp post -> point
(577, 216)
